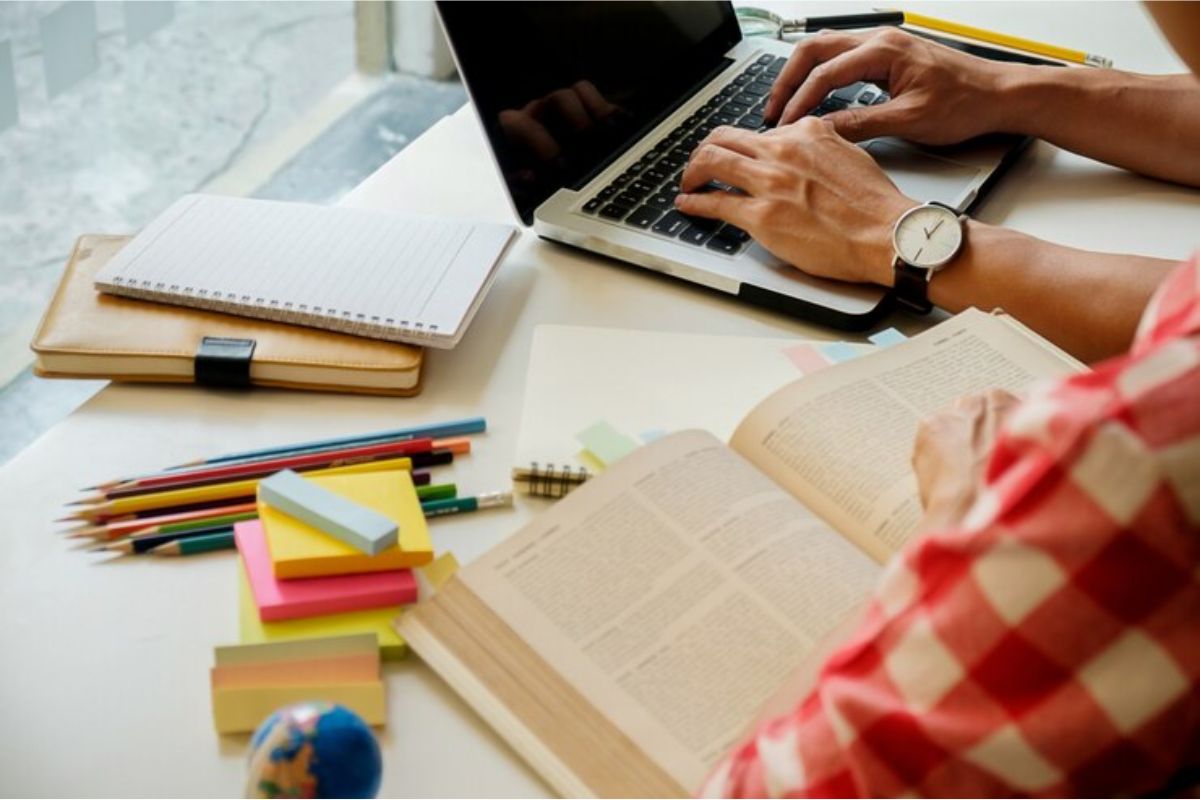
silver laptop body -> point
(954, 176)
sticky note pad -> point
(299, 550)
(250, 682)
(357, 525)
(440, 570)
(887, 336)
(376, 622)
(837, 352)
(806, 358)
(310, 597)
(605, 442)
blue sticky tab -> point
(652, 435)
(837, 352)
(358, 526)
(887, 337)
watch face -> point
(927, 236)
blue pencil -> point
(440, 430)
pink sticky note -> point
(807, 358)
(314, 597)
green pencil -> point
(460, 505)
(135, 545)
(441, 491)
(196, 544)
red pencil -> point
(328, 459)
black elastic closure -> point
(224, 362)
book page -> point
(676, 593)
(643, 383)
(841, 440)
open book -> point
(624, 640)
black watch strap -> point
(912, 288)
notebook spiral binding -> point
(548, 480)
(274, 310)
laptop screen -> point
(562, 87)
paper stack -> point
(298, 581)
(249, 682)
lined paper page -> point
(362, 271)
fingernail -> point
(678, 200)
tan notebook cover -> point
(86, 334)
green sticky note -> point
(605, 443)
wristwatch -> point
(926, 239)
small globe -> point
(314, 750)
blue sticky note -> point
(651, 435)
(9, 113)
(605, 443)
(837, 352)
(887, 337)
(69, 45)
(144, 17)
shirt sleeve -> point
(1050, 645)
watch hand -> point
(934, 228)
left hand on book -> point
(952, 451)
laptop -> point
(591, 110)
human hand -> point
(952, 450)
(939, 95)
(807, 195)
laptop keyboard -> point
(643, 197)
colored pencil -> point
(427, 459)
(460, 505)
(456, 428)
(138, 528)
(459, 445)
(441, 491)
(98, 517)
(144, 544)
(1006, 40)
(221, 492)
(200, 544)
(334, 458)
(114, 529)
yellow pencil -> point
(219, 491)
(1006, 40)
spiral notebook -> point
(371, 273)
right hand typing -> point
(939, 95)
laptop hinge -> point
(684, 96)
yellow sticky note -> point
(299, 550)
(440, 570)
(378, 621)
(242, 709)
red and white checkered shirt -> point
(1051, 644)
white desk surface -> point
(103, 667)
